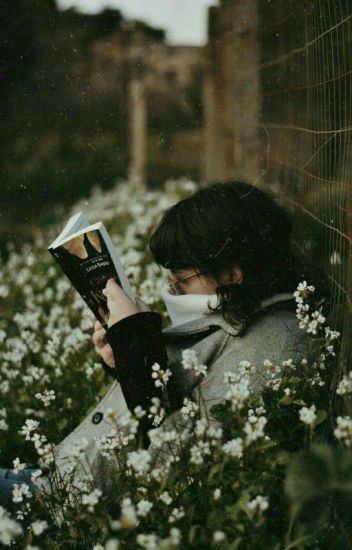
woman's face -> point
(191, 281)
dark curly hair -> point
(234, 224)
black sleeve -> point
(137, 344)
(109, 370)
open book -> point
(88, 258)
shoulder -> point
(274, 335)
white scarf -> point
(187, 307)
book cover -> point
(88, 259)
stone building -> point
(159, 87)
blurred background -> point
(93, 92)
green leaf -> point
(235, 544)
(285, 400)
(299, 402)
(321, 416)
(215, 470)
(62, 423)
(283, 458)
(192, 533)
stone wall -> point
(160, 87)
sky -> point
(185, 21)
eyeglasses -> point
(175, 285)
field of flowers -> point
(274, 471)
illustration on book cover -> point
(86, 261)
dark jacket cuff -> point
(137, 344)
(111, 372)
(132, 326)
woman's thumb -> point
(111, 290)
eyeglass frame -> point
(173, 284)
(180, 281)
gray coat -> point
(275, 335)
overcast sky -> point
(185, 21)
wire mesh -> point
(306, 82)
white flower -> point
(216, 494)
(303, 291)
(190, 408)
(3, 425)
(254, 429)
(200, 427)
(78, 448)
(234, 448)
(110, 442)
(29, 427)
(46, 397)
(160, 376)
(156, 411)
(128, 514)
(175, 536)
(317, 321)
(149, 542)
(288, 363)
(17, 466)
(20, 491)
(91, 499)
(38, 527)
(139, 461)
(143, 508)
(198, 451)
(271, 369)
(219, 536)
(214, 434)
(343, 431)
(139, 412)
(165, 498)
(345, 385)
(176, 514)
(190, 362)
(308, 415)
(9, 528)
(158, 436)
(35, 475)
(238, 393)
(331, 334)
(258, 504)
(112, 544)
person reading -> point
(232, 274)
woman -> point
(232, 277)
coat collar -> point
(216, 319)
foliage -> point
(270, 470)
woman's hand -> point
(119, 304)
(101, 345)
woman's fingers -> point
(97, 325)
(99, 337)
(107, 355)
(119, 304)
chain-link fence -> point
(306, 80)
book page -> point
(74, 224)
